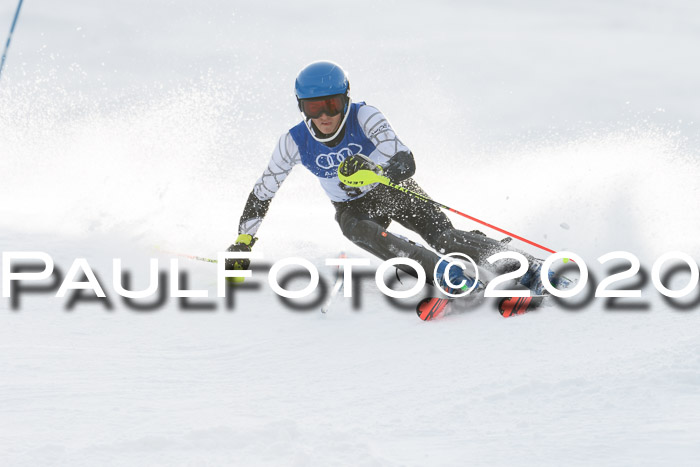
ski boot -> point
(457, 276)
(533, 281)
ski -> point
(511, 306)
(434, 307)
(431, 307)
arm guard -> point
(253, 214)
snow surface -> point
(130, 125)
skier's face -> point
(327, 125)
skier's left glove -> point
(245, 243)
(360, 170)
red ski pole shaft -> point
(386, 181)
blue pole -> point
(9, 37)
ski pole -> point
(387, 182)
(366, 177)
(9, 37)
(185, 255)
(234, 280)
(336, 287)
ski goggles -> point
(330, 105)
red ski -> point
(518, 305)
(431, 307)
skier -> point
(338, 135)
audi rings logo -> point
(333, 159)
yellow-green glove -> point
(244, 242)
(360, 170)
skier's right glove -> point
(245, 243)
(360, 170)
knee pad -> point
(354, 227)
(357, 229)
(366, 230)
(346, 222)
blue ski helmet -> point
(321, 79)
